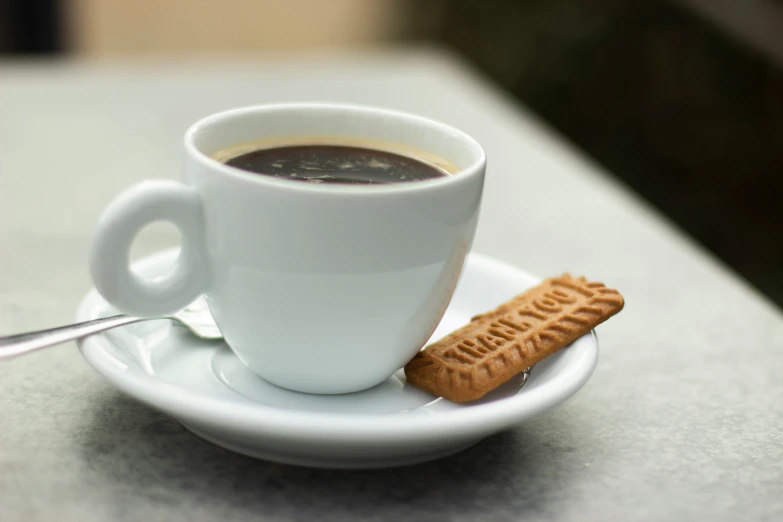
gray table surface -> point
(682, 419)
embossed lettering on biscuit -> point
(497, 345)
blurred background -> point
(682, 100)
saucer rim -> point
(262, 420)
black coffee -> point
(335, 164)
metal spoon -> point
(195, 318)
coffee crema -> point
(336, 161)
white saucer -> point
(204, 386)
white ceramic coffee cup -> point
(317, 288)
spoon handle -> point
(13, 345)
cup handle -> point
(142, 204)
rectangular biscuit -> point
(495, 346)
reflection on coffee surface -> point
(338, 164)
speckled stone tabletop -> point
(682, 420)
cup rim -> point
(475, 168)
